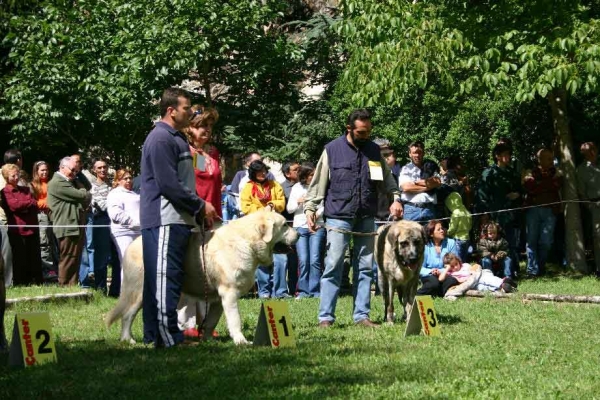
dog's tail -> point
(117, 312)
(133, 280)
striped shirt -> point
(99, 193)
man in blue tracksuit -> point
(169, 209)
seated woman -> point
(21, 213)
(433, 261)
(258, 194)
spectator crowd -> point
(72, 225)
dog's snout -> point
(413, 255)
(291, 235)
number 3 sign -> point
(32, 341)
(422, 318)
(274, 325)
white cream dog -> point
(231, 256)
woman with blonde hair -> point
(21, 213)
(48, 244)
(123, 207)
(209, 180)
(209, 185)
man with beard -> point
(349, 177)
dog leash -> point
(203, 266)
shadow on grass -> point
(449, 319)
(112, 370)
(555, 272)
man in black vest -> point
(348, 177)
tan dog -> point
(232, 254)
(399, 250)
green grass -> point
(488, 349)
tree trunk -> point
(572, 213)
(206, 84)
(558, 298)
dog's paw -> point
(129, 340)
(389, 323)
(241, 340)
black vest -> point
(351, 192)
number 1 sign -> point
(32, 341)
(274, 325)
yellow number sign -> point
(274, 325)
(32, 341)
(423, 318)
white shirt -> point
(123, 208)
(411, 173)
(298, 191)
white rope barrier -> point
(376, 222)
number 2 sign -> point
(32, 341)
(274, 325)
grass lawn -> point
(488, 349)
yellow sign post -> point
(422, 318)
(274, 325)
(32, 341)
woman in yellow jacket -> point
(261, 193)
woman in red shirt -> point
(48, 243)
(209, 183)
(21, 212)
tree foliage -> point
(88, 73)
(539, 45)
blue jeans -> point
(540, 236)
(87, 255)
(463, 249)
(506, 270)
(512, 235)
(362, 272)
(418, 214)
(310, 248)
(102, 248)
(272, 285)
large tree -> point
(87, 74)
(545, 48)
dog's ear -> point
(392, 236)
(265, 229)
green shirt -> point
(66, 204)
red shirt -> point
(209, 181)
(21, 209)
